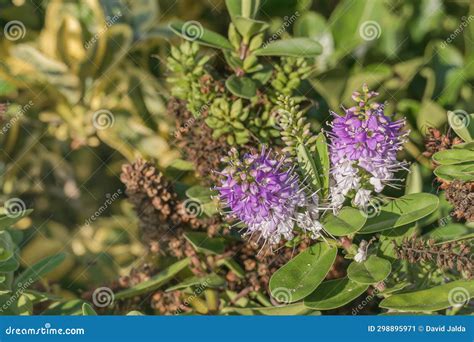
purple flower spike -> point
(364, 146)
(263, 193)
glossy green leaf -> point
(348, 221)
(248, 27)
(295, 47)
(87, 310)
(245, 8)
(200, 193)
(414, 180)
(334, 293)
(401, 211)
(285, 310)
(7, 247)
(211, 280)
(38, 270)
(322, 162)
(205, 244)
(69, 308)
(8, 221)
(154, 282)
(370, 271)
(301, 275)
(453, 156)
(241, 86)
(456, 293)
(135, 313)
(194, 31)
(308, 167)
(463, 124)
(464, 172)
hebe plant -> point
(285, 195)
(240, 102)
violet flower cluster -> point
(363, 151)
(264, 194)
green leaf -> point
(348, 221)
(154, 282)
(87, 310)
(431, 114)
(211, 280)
(248, 27)
(38, 270)
(245, 8)
(295, 47)
(69, 308)
(8, 221)
(200, 193)
(463, 124)
(322, 162)
(301, 275)
(205, 244)
(414, 180)
(309, 167)
(241, 86)
(7, 247)
(450, 232)
(333, 294)
(464, 172)
(456, 293)
(401, 211)
(453, 156)
(181, 165)
(371, 271)
(193, 31)
(9, 265)
(285, 310)
(135, 313)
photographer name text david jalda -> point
(445, 328)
